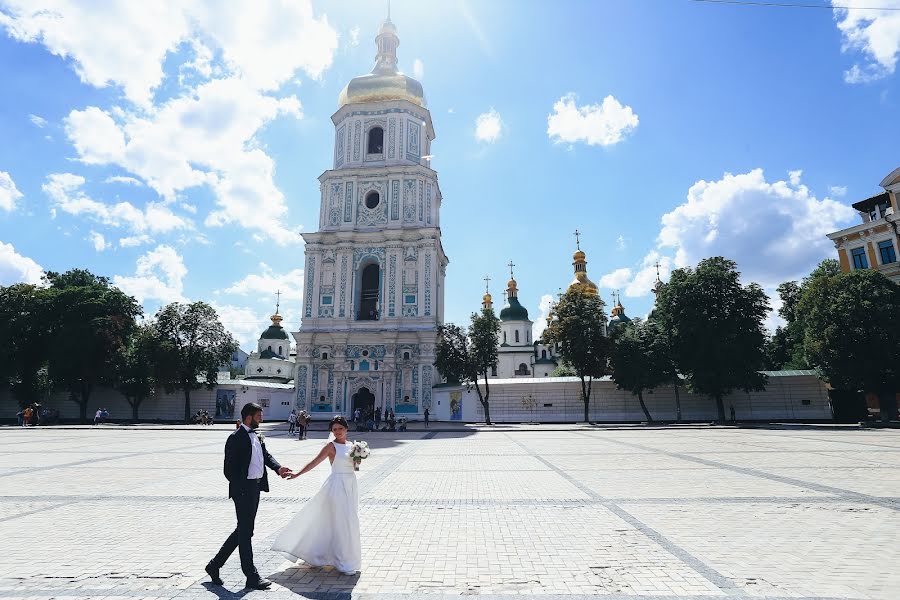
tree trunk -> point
(721, 406)
(887, 405)
(483, 398)
(677, 403)
(586, 398)
(187, 404)
(135, 405)
(644, 407)
(83, 404)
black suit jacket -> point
(238, 450)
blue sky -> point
(176, 150)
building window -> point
(888, 254)
(376, 141)
(326, 300)
(517, 336)
(543, 354)
(877, 211)
(406, 356)
(351, 365)
(279, 350)
(324, 356)
(409, 299)
(322, 399)
(859, 258)
(270, 348)
(504, 337)
(372, 199)
(522, 370)
(368, 297)
(493, 371)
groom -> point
(245, 460)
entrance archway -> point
(364, 400)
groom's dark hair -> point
(251, 408)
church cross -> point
(510, 265)
(277, 300)
(657, 270)
(487, 284)
(577, 239)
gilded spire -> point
(579, 262)
(276, 318)
(512, 290)
(486, 300)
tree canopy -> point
(637, 360)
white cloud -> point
(263, 43)
(39, 122)
(488, 127)
(418, 69)
(266, 282)
(159, 275)
(244, 323)
(9, 193)
(795, 176)
(65, 190)
(872, 32)
(540, 324)
(617, 279)
(135, 240)
(99, 242)
(354, 36)
(775, 231)
(125, 180)
(621, 242)
(204, 138)
(838, 191)
(603, 124)
(15, 268)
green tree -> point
(577, 323)
(468, 357)
(191, 343)
(91, 322)
(636, 362)
(852, 333)
(563, 370)
(136, 368)
(24, 341)
(716, 328)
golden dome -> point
(578, 256)
(385, 82)
(487, 299)
(581, 279)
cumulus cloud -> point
(838, 191)
(65, 190)
(15, 268)
(123, 179)
(266, 282)
(617, 279)
(133, 241)
(205, 138)
(244, 323)
(98, 241)
(775, 231)
(159, 275)
(9, 193)
(488, 126)
(873, 33)
(540, 324)
(261, 42)
(604, 124)
(354, 36)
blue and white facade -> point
(374, 270)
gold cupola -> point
(579, 262)
(385, 82)
(487, 302)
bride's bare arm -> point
(326, 452)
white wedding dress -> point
(326, 530)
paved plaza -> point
(693, 512)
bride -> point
(326, 530)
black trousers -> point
(246, 503)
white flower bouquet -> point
(358, 452)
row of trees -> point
(77, 332)
(706, 333)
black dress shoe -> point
(259, 584)
(214, 574)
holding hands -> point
(286, 473)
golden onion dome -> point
(487, 299)
(385, 82)
(581, 279)
(578, 256)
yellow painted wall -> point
(894, 202)
(844, 259)
(870, 250)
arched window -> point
(543, 354)
(270, 348)
(517, 336)
(493, 371)
(522, 370)
(279, 350)
(351, 365)
(504, 337)
(372, 199)
(368, 294)
(376, 141)
(324, 356)
(406, 356)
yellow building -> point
(875, 243)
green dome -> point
(274, 332)
(513, 311)
(619, 320)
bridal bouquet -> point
(358, 452)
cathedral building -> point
(374, 288)
(272, 360)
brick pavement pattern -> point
(644, 514)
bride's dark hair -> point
(339, 420)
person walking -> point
(292, 422)
(246, 459)
(426, 413)
(26, 416)
(377, 418)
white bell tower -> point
(374, 270)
